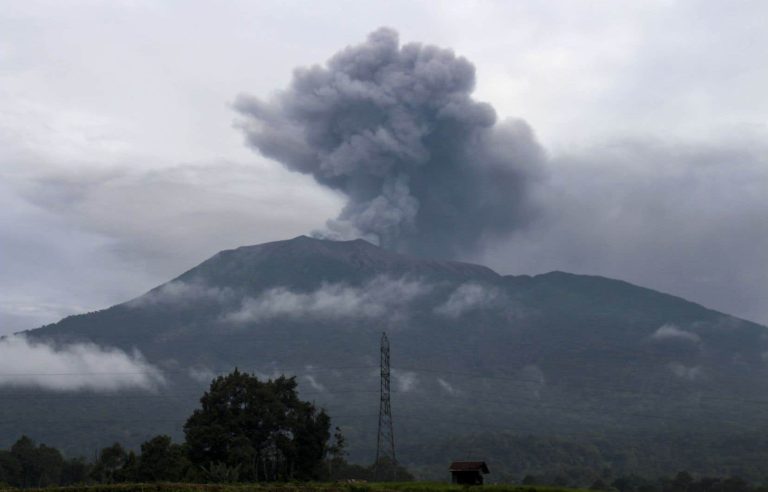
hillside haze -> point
(473, 352)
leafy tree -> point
(632, 483)
(221, 473)
(529, 480)
(39, 466)
(10, 469)
(682, 482)
(261, 427)
(598, 485)
(336, 452)
(111, 460)
(161, 460)
(129, 470)
(734, 484)
(75, 471)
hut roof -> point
(469, 466)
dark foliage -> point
(582, 460)
(27, 464)
(245, 431)
(162, 461)
(262, 428)
(553, 355)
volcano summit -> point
(472, 350)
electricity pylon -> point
(385, 443)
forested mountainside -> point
(554, 356)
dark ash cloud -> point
(688, 218)
(425, 168)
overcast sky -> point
(121, 166)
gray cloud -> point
(201, 374)
(653, 214)
(672, 332)
(24, 363)
(122, 231)
(468, 297)
(684, 218)
(404, 380)
(533, 380)
(379, 297)
(424, 167)
(314, 383)
(178, 293)
(448, 387)
(690, 373)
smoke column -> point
(425, 168)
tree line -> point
(245, 430)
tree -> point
(161, 460)
(336, 452)
(111, 461)
(598, 485)
(10, 469)
(260, 428)
(529, 480)
(129, 470)
(681, 482)
(75, 472)
(39, 466)
(734, 484)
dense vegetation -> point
(581, 460)
(682, 482)
(295, 487)
(28, 465)
(556, 376)
(547, 355)
(245, 430)
(258, 431)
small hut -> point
(468, 472)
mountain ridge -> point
(550, 354)
(366, 254)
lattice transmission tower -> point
(385, 443)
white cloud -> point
(685, 372)
(180, 293)
(123, 230)
(312, 380)
(448, 387)
(379, 297)
(81, 366)
(467, 297)
(201, 374)
(404, 380)
(671, 332)
(272, 374)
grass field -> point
(297, 487)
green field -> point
(295, 487)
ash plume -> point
(424, 167)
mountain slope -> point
(472, 350)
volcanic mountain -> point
(473, 352)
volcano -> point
(474, 352)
